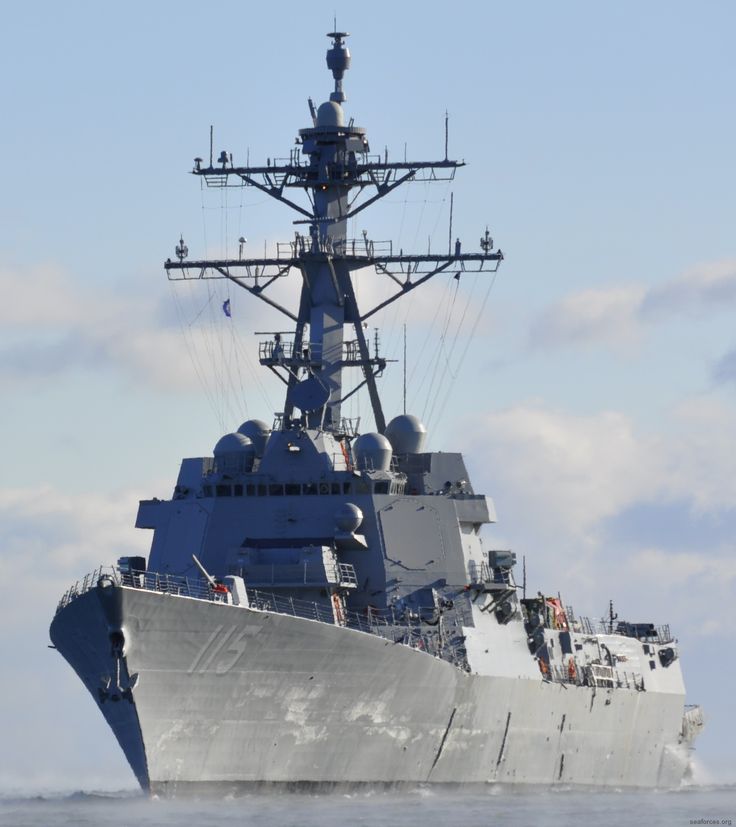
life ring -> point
(572, 671)
(324, 488)
(543, 667)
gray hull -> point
(233, 695)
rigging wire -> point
(396, 308)
(231, 325)
(206, 332)
(242, 348)
(229, 356)
(400, 314)
(216, 350)
(478, 317)
(431, 353)
(243, 353)
(425, 343)
(231, 374)
(187, 336)
(240, 356)
(440, 347)
(223, 366)
(448, 354)
(211, 345)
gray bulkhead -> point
(419, 530)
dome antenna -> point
(338, 61)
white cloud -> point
(52, 324)
(51, 538)
(681, 587)
(602, 509)
(608, 315)
(710, 572)
(701, 455)
(41, 296)
(619, 314)
(569, 471)
(581, 469)
(708, 285)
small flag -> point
(226, 308)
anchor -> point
(121, 688)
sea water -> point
(423, 806)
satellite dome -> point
(372, 452)
(348, 517)
(234, 452)
(257, 431)
(407, 434)
(330, 114)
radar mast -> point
(340, 179)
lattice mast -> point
(340, 179)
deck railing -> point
(595, 675)
(423, 629)
(646, 632)
(443, 640)
(149, 580)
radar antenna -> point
(338, 61)
(340, 179)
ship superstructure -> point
(318, 606)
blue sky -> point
(595, 399)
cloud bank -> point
(619, 315)
(604, 509)
(52, 325)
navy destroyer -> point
(318, 606)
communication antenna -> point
(181, 249)
(523, 576)
(449, 234)
(404, 367)
(611, 617)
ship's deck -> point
(446, 642)
(399, 627)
